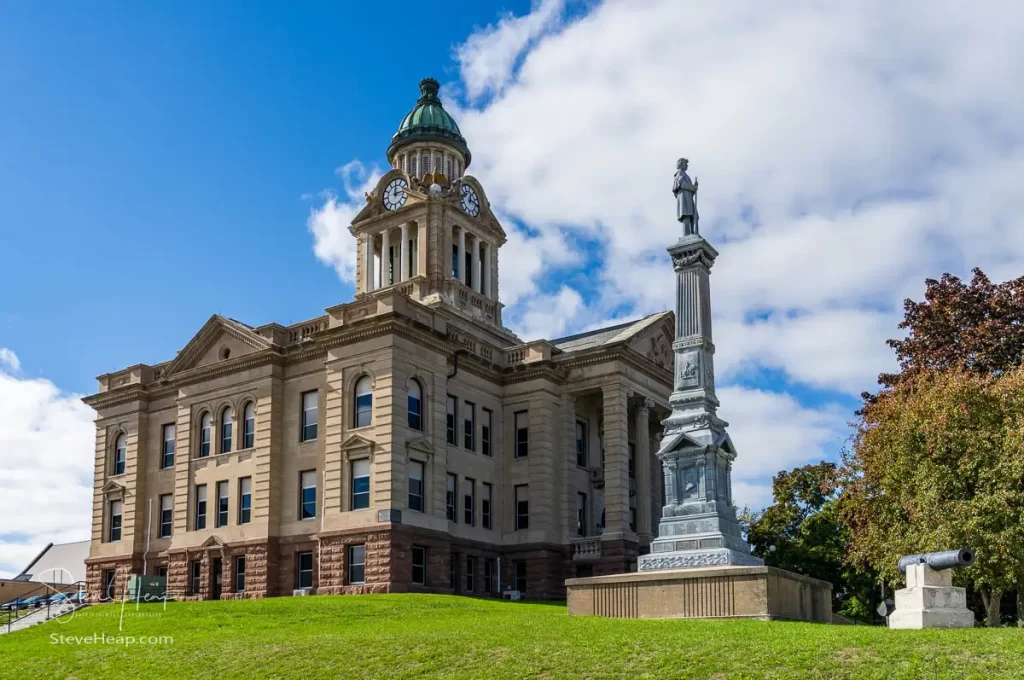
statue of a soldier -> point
(686, 198)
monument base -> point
(750, 592)
(691, 559)
(930, 600)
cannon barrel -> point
(947, 559)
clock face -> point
(470, 201)
(394, 193)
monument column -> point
(476, 265)
(460, 265)
(368, 268)
(616, 461)
(643, 470)
(698, 525)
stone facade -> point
(377, 406)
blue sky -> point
(161, 163)
(153, 159)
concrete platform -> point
(714, 592)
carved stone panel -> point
(688, 371)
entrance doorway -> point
(216, 578)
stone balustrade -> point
(586, 548)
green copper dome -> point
(428, 122)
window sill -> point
(116, 475)
(360, 428)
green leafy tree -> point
(803, 527)
(937, 463)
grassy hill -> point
(419, 636)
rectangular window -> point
(469, 267)
(222, 504)
(357, 564)
(519, 575)
(167, 453)
(469, 502)
(200, 507)
(161, 571)
(581, 443)
(454, 571)
(115, 521)
(489, 576)
(361, 484)
(469, 427)
(632, 519)
(522, 422)
(225, 431)
(419, 565)
(485, 506)
(244, 500)
(455, 260)
(240, 574)
(470, 574)
(309, 415)
(307, 494)
(522, 507)
(632, 460)
(416, 485)
(166, 514)
(449, 497)
(485, 432)
(581, 514)
(197, 579)
(304, 570)
(450, 418)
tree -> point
(976, 327)
(803, 525)
(937, 462)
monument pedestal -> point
(717, 592)
(930, 600)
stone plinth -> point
(756, 592)
(930, 600)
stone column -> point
(403, 270)
(385, 257)
(476, 265)
(460, 265)
(368, 267)
(487, 271)
(643, 470)
(616, 461)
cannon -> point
(947, 559)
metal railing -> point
(52, 598)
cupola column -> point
(460, 263)
(487, 271)
(403, 273)
(368, 252)
(476, 265)
(385, 259)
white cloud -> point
(329, 222)
(488, 57)
(46, 453)
(9, 360)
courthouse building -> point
(403, 441)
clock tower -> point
(427, 229)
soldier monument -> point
(699, 566)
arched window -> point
(120, 453)
(205, 427)
(364, 402)
(225, 429)
(415, 405)
(249, 426)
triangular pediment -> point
(357, 445)
(219, 339)
(112, 490)
(212, 542)
(421, 444)
(653, 339)
(679, 441)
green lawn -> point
(417, 636)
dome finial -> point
(429, 88)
